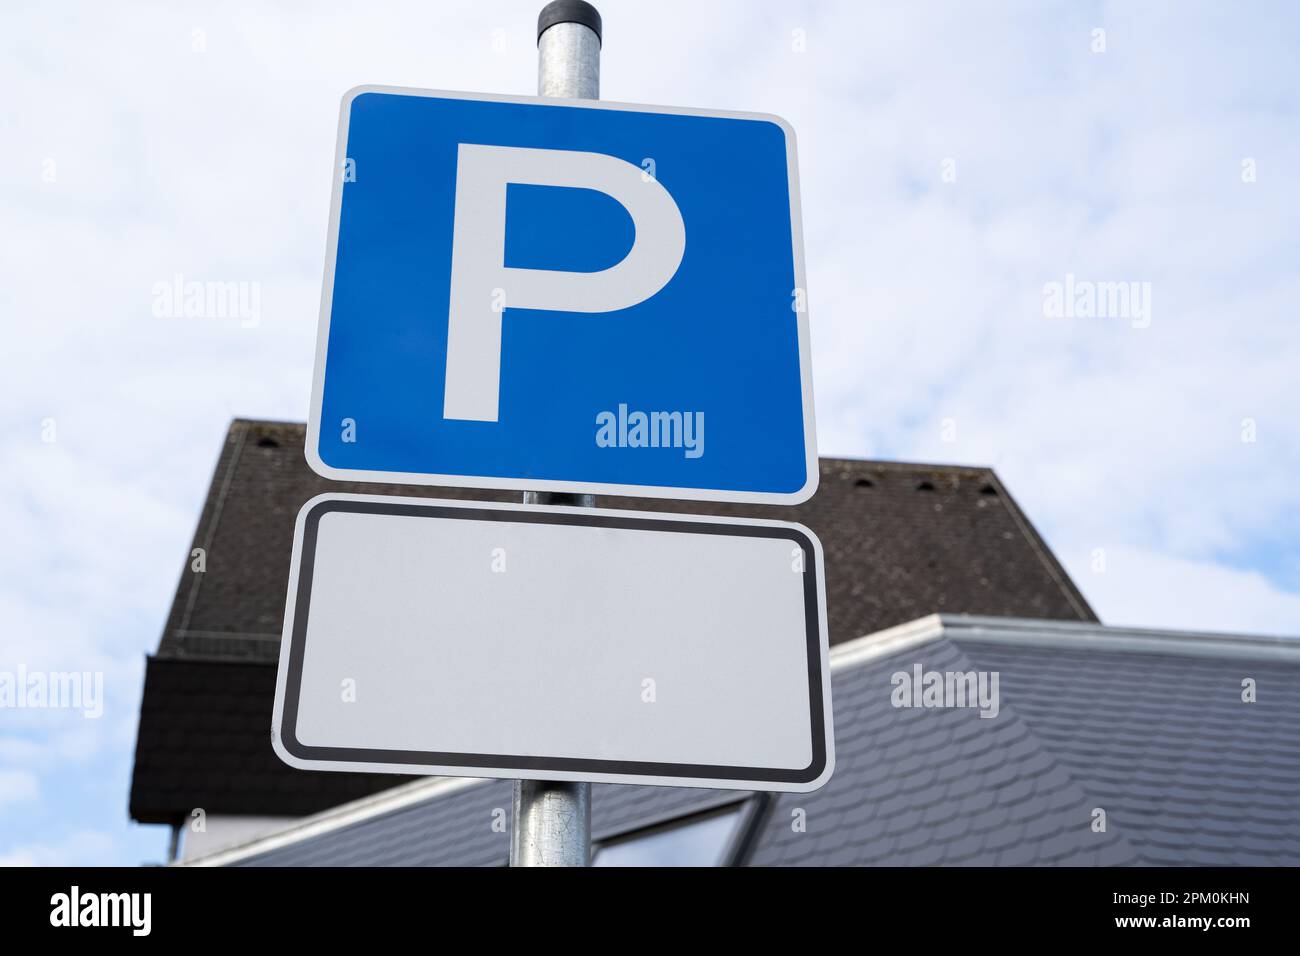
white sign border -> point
(517, 773)
(312, 448)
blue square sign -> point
(564, 295)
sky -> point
(956, 161)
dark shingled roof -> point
(901, 541)
(205, 741)
(1143, 725)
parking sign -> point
(564, 295)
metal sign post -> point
(562, 409)
(550, 823)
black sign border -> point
(469, 761)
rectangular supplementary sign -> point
(564, 295)
(517, 641)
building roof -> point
(204, 741)
(1149, 726)
(901, 541)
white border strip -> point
(336, 818)
(1078, 635)
(892, 640)
(1062, 635)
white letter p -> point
(478, 265)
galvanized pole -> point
(551, 822)
(568, 50)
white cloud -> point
(78, 848)
(1148, 589)
(18, 786)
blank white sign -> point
(488, 640)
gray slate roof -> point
(1187, 771)
(1149, 726)
(456, 829)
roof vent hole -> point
(925, 486)
(989, 490)
(267, 443)
(864, 483)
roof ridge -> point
(336, 818)
(1062, 635)
(210, 530)
(1086, 635)
(1045, 554)
(270, 423)
(888, 464)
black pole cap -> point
(569, 11)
